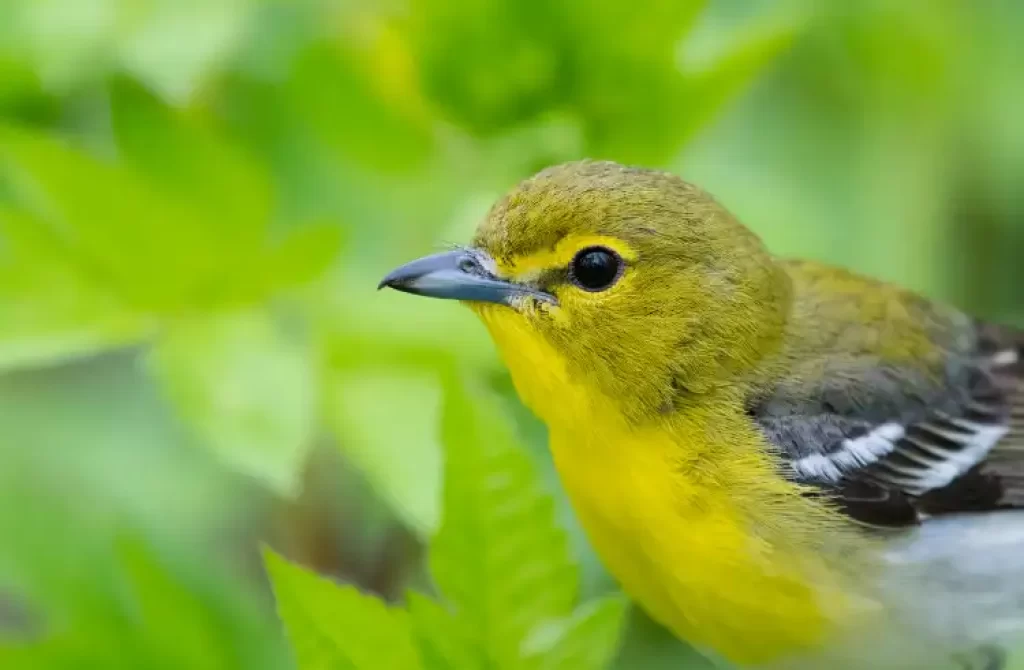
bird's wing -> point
(895, 450)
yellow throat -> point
(637, 316)
(702, 535)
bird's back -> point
(909, 415)
(902, 408)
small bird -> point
(786, 464)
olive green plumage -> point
(710, 303)
(718, 415)
(818, 354)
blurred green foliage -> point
(198, 197)
(499, 559)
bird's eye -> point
(595, 268)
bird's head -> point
(630, 284)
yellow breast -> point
(672, 523)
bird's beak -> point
(459, 275)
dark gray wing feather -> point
(892, 448)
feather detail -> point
(852, 454)
(895, 445)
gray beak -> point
(458, 275)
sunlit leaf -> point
(499, 556)
(68, 42)
(334, 627)
(587, 640)
(386, 422)
(245, 387)
(177, 46)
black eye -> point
(595, 268)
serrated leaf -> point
(586, 641)
(402, 459)
(333, 627)
(245, 387)
(442, 638)
(499, 556)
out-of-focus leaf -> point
(648, 645)
(192, 162)
(626, 85)
(245, 387)
(637, 104)
(386, 421)
(303, 255)
(442, 638)
(88, 448)
(178, 45)
(713, 83)
(587, 640)
(50, 308)
(489, 64)
(150, 250)
(65, 653)
(333, 92)
(334, 627)
(151, 618)
(499, 556)
(67, 42)
(175, 623)
(17, 81)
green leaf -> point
(245, 387)
(190, 161)
(175, 623)
(650, 646)
(333, 627)
(304, 254)
(711, 84)
(489, 65)
(51, 308)
(178, 46)
(67, 43)
(443, 639)
(338, 98)
(153, 252)
(402, 459)
(626, 86)
(586, 641)
(499, 556)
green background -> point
(197, 199)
